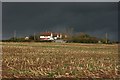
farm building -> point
(50, 36)
(26, 38)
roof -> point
(49, 33)
(45, 33)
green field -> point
(56, 60)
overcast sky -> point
(60, 0)
(92, 18)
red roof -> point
(49, 33)
(45, 33)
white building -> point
(50, 36)
(26, 38)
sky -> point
(60, 0)
(27, 18)
(0, 20)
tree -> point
(82, 38)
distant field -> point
(32, 60)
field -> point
(56, 60)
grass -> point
(56, 60)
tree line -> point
(76, 38)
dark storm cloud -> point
(0, 20)
(27, 18)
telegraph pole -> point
(106, 37)
(14, 34)
(34, 37)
